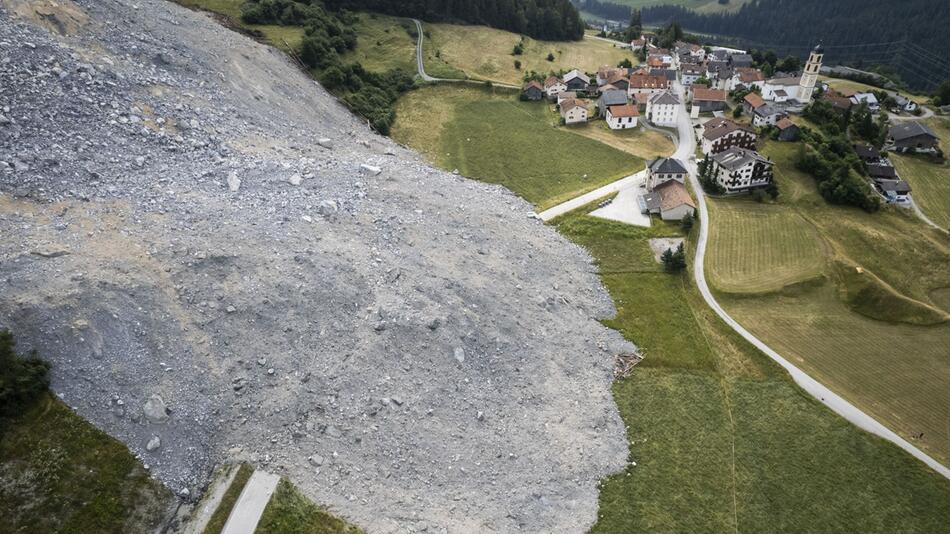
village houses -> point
(622, 117)
(720, 134)
(663, 109)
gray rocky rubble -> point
(199, 308)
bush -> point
(737, 112)
(674, 262)
(517, 65)
(518, 50)
(22, 379)
(687, 222)
(550, 56)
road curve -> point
(420, 66)
(685, 150)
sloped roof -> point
(672, 195)
(906, 130)
(666, 166)
(881, 171)
(576, 74)
(570, 104)
(533, 83)
(767, 110)
(646, 81)
(551, 81)
(866, 152)
(625, 110)
(898, 186)
(750, 75)
(663, 98)
(754, 100)
(614, 97)
(735, 158)
(716, 128)
(708, 95)
(784, 123)
(785, 81)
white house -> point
(553, 86)
(691, 73)
(867, 98)
(646, 83)
(767, 115)
(739, 169)
(622, 117)
(786, 87)
(663, 109)
(573, 111)
(638, 44)
(662, 170)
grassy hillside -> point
(58, 473)
(383, 43)
(486, 53)
(642, 143)
(930, 180)
(721, 437)
(498, 139)
(870, 327)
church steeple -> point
(806, 86)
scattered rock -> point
(325, 142)
(295, 179)
(234, 183)
(155, 410)
(153, 444)
(369, 170)
(460, 354)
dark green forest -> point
(908, 39)
(549, 20)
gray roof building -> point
(614, 97)
(664, 98)
(736, 158)
(666, 166)
(906, 130)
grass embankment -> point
(722, 438)
(486, 53)
(289, 512)
(58, 473)
(930, 180)
(643, 143)
(383, 43)
(873, 323)
(841, 83)
(228, 500)
(496, 138)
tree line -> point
(549, 20)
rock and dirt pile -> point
(221, 262)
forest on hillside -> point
(908, 38)
(549, 20)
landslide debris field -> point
(222, 263)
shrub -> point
(687, 222)
(517, 65)
(22, 379)
(518, 50)
(674, 262)
(550, 56)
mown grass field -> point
(486, 53)
(879, 336)
(495, 138)
(722, 439)
(58, 473)
(290, 512)
(643, 143)
(841, 83)
(757, 248)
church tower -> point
(807, 84)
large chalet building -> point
(739, 169)
(720, 134)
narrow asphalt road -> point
(420, 66)
(685, 151)
(587, 198)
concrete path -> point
(211, 500)
(250, 505)
(686, 147)
(587, 198)
(922, 216)
(625, 207)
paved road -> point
(923, 217)
(420, 66)
(211, 500)
(250, 505)
(629, 181)
(685, 151)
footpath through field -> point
(686, 144)
(420, 66)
